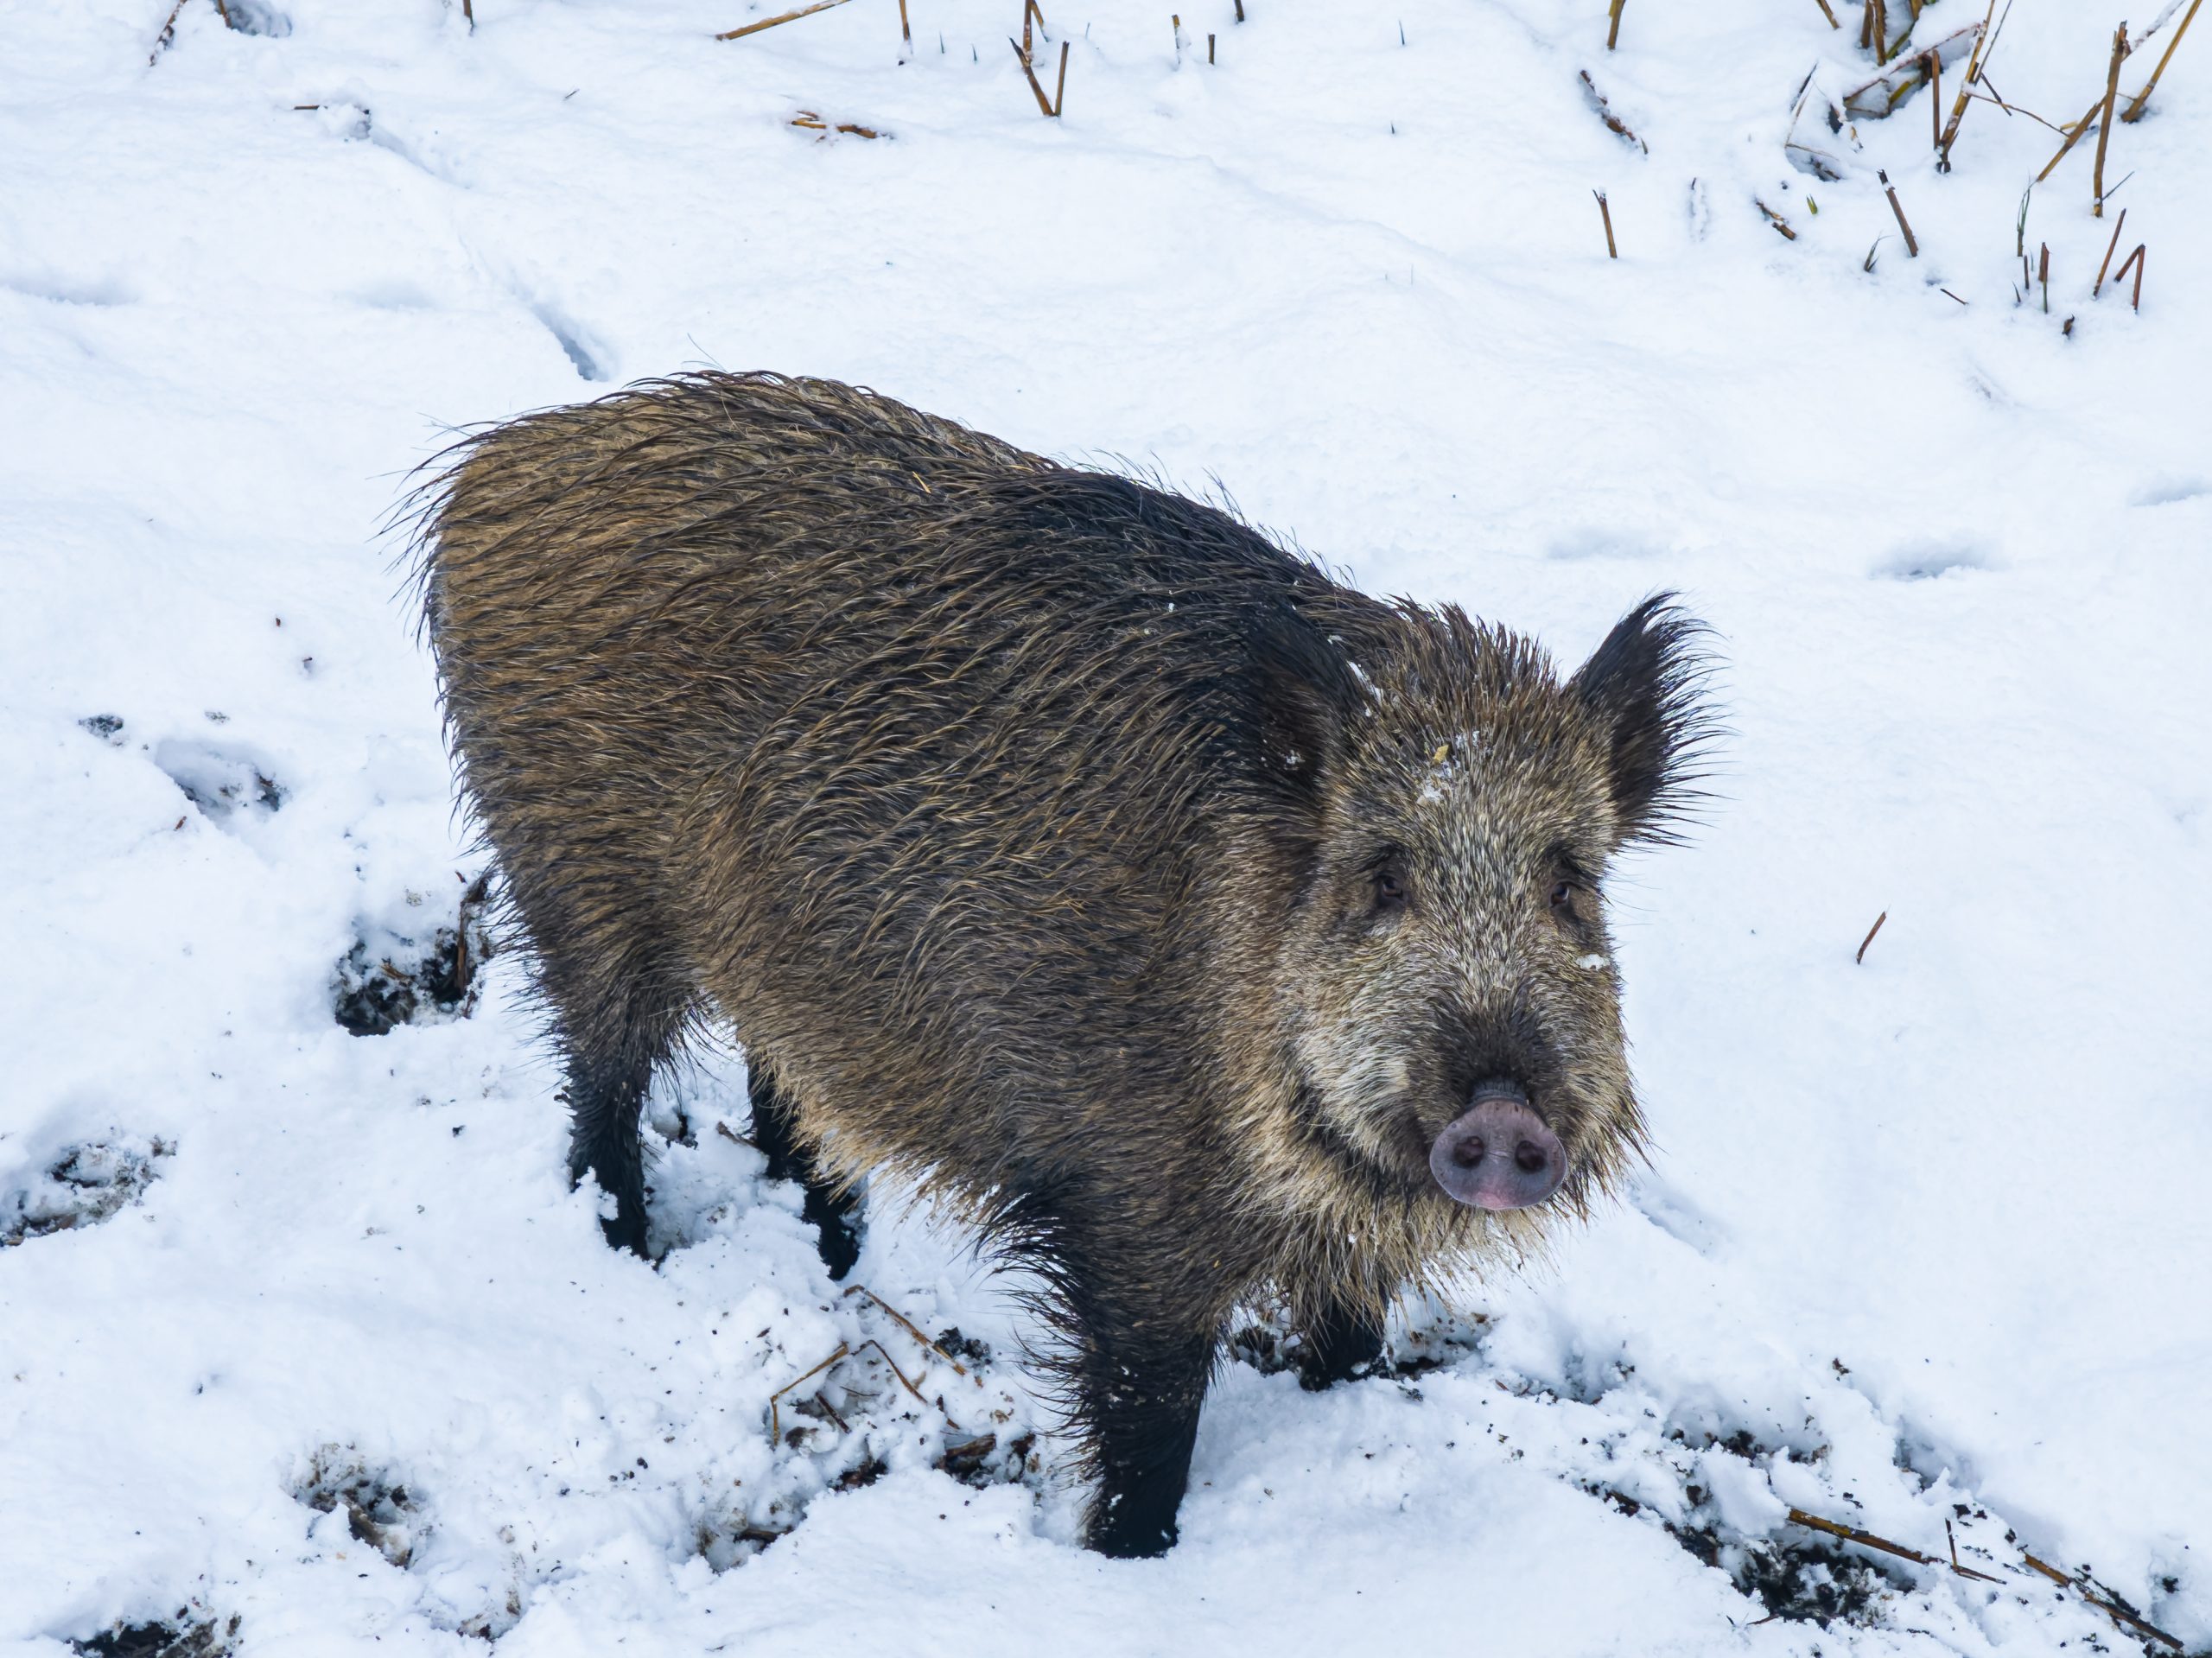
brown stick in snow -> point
(1869, 939)
(2104, 126)
(1911, 247)
(2136, 103)
(2111, 248)
(770, 23)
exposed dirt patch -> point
(380, 1510)
(87, 1185)
(390, 978)
(183, 1637)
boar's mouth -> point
(1498, 1154)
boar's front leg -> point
(1144, 1329)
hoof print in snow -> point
(221, 782)
(184, 1637)
(87, 1185)
(390, 978)
(379, 1511)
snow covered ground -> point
(334, 1361)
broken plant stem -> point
(1825, 12)
(1774, 219)
(775, 1416)
(2042, 275)
(2134, 262)
(1613, 122)
(2111, 248)
(1868, 1539)
(2135, 105)
(1611, 251)
(2116, 1613)
(2073, 137)
(1966, 93)
(2104, 126)
(1043, 103)
(911, 1329)
(1911, 247)
(1869, 938)
(770, 23)
(1613, 23)
(905, 31)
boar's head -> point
(1445, 975)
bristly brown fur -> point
(1021, 821)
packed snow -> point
(305, 1343)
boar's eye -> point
(1568, 904)
(1389, 890)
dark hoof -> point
(1319, 1378)
(627, 1229)
(1138, 1541)
(841, 1239)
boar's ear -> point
(1644, 688)
(1303, 693)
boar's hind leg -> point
(1339, 1344)
(617, 1029)
(827, 1206)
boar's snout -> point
(1499, 1153)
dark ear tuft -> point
(1305, 693)
(1645, 686)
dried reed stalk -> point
(775, 1414)
(770, 23)
(1825, 12)
(2118, 1614)
(2135, 105)
(1611, 251)
(2134, 261)
(911, 1329)
(2111, 248)
(1966, 93)
(1613, 122)
(2073, 136)
(167, 33)
(1612, 23)
(1911, 246)
(1869, 938)
(2104, 126)
(1029, 74)
(1774, 219)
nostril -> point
(1529, 1159)
(1468, 1151)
